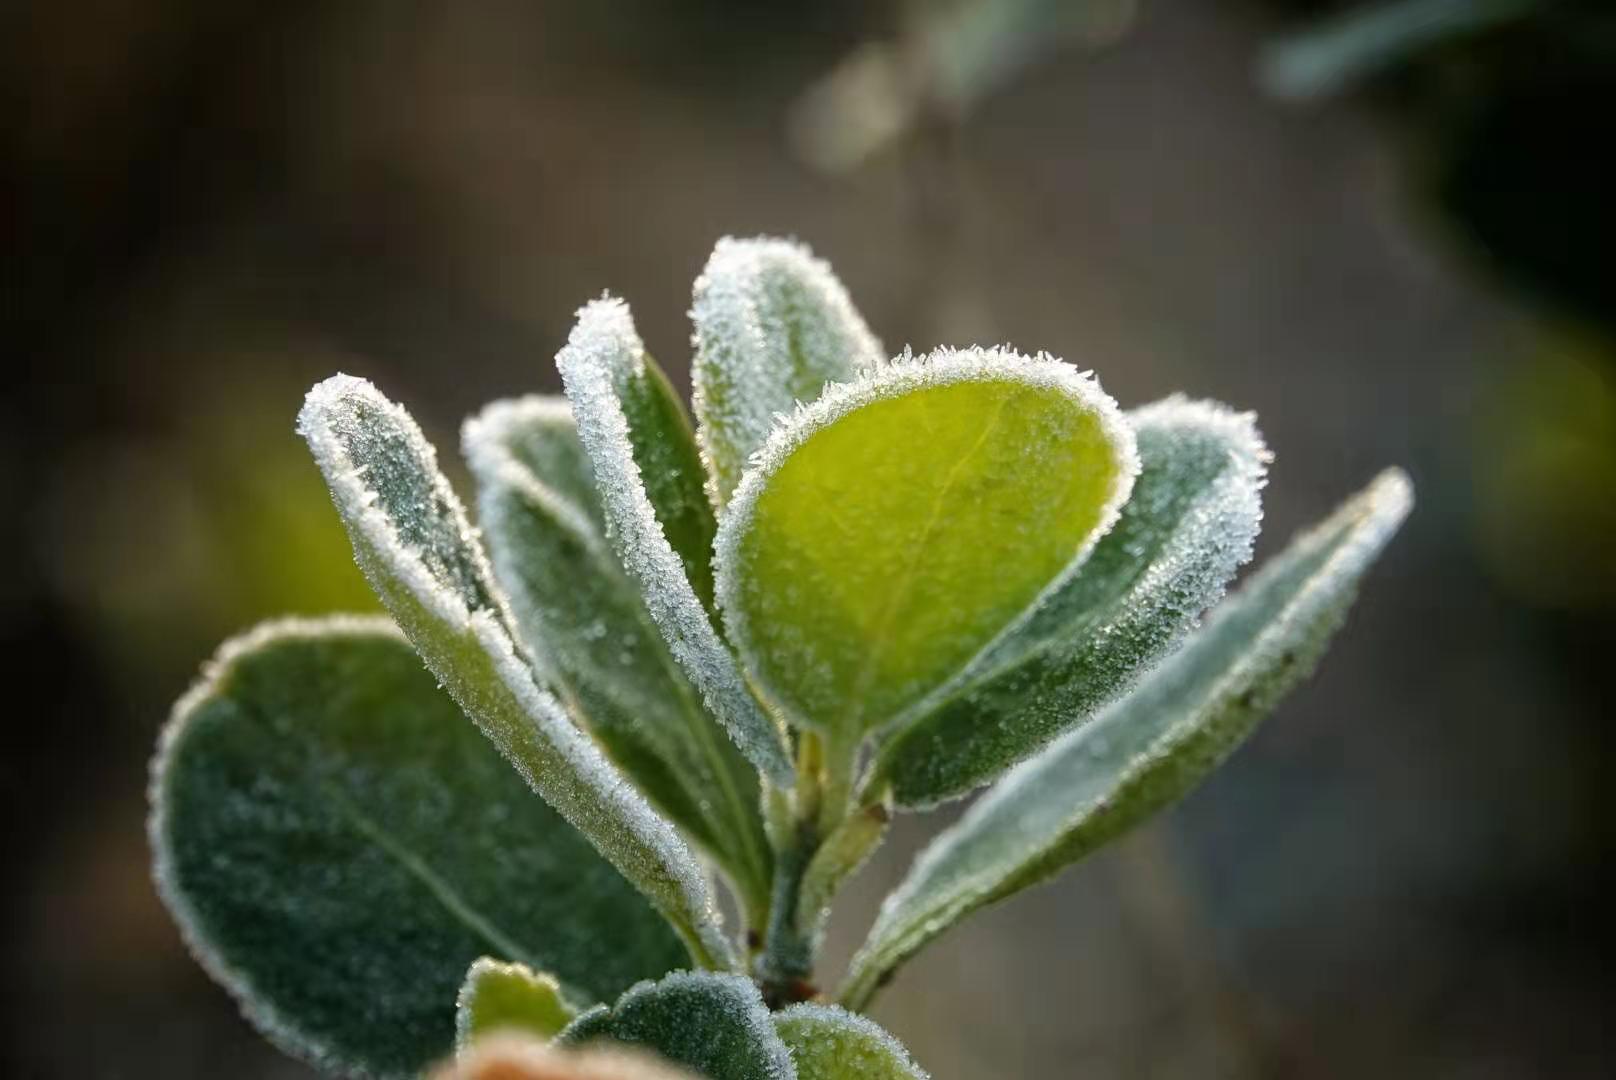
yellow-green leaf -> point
(894, 527)
(499, 996)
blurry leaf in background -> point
(949, 54)
(1366, 40)
(1546, 476)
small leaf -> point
(576, 606)
(773, 327)
(715, 1024)
(337, 844)
(498, 996)
(602, 346)
(513, 1058)
(1189, 525)
(1147, 750)
(412, 540)
(890, 530)
(830, 1043)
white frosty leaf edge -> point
(695, 909)
(485, 440)
(481, 968)
(1235, 509)
(755, 1017)
(914, 913)
(893, 379)
(724, 316)
(869, 1029)
(603, 339)
(260, 1012)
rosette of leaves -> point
(681, 656)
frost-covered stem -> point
(784, 969)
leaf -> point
(890, 530)
(412, 540)
(830, 1043)
(773, 326)
(1147, 750)
(512, 1058)
(1189, 525)
(602, 345)
(337, 844)
(576, 606)
(1373, 37)
(498, 996)
(713, 1023)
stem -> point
(818, 846)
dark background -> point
(214, 204)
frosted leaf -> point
(830, 1043)
(502, 997)
(511, 1057)
(887, 532)
(337, 844)
(1189, 524)
(411, 539)
(716, 1024)
(603, 345)
(1147, 750)
(575, 605)
(773, 326)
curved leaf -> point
(337, 844)
(1147, 750)
(412, 540)
(577, 608)
(890, 530)
(830, 1043)
(500, 996)
(715, 1024)
(1189, 525)
(773, 326)
(603, 346)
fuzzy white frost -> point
(603, 347)
(587, 789)
(773, 324)
(894, 378)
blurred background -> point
(1386, 228)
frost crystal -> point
(773, 326)
(603, 342)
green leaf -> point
(603, 346)
(412, 540)
(715, 1024)
(773, 327)
(890, 530)
(1147, 750)
(1189, 525)
(498, 996)
(337, 844)
(830, 1043)
(586, 620)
